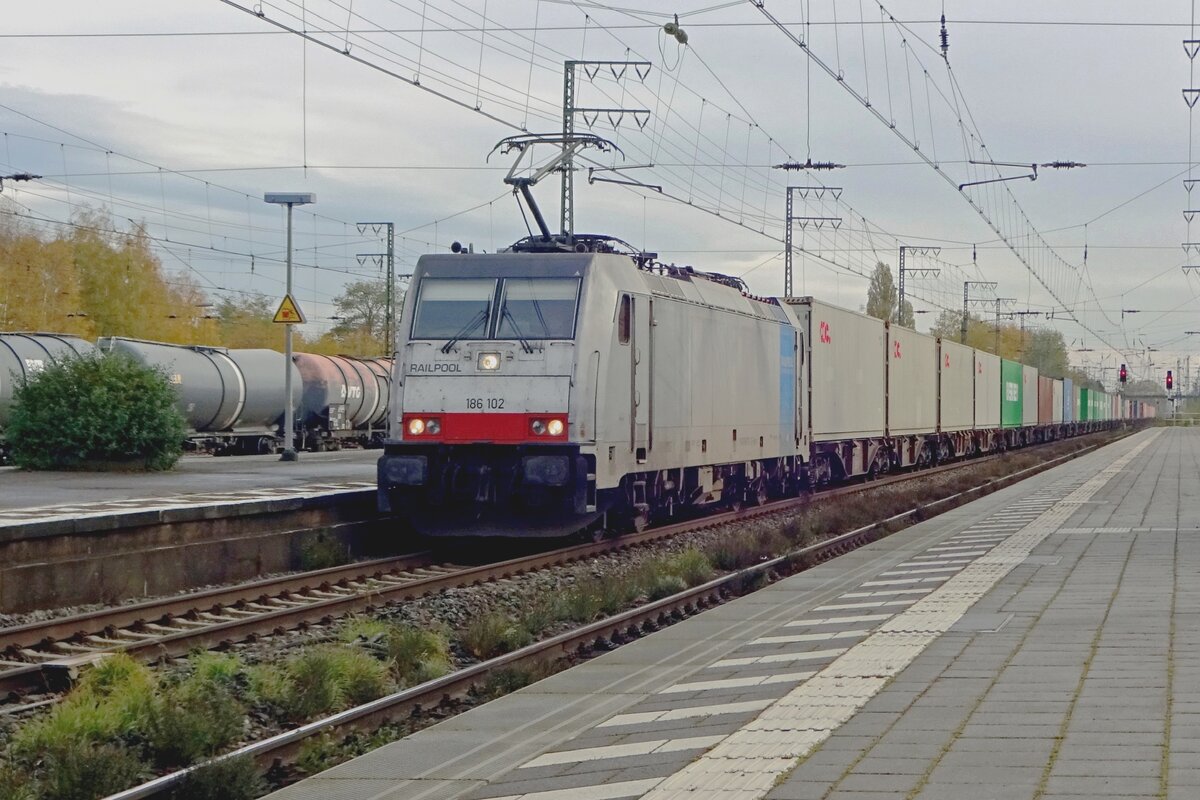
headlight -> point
(416, 426)
(489, 361)
(538, 426)
(433, 427)
(554, 427)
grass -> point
(231, 779)
(321, 680)
(192, 720)
(110, 702)
(414, 655)
(87, 771)
(494, 633)
(321, 552)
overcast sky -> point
(180, 115)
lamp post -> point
(289, 199)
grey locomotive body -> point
(536, 392)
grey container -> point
(912, 381)
(23, 355)
(847, 369)
(220, 390)
(987, 390)
(956, 386)
(1029, 410)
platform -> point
(27, 497)
(1037, 643)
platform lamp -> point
(289, 199)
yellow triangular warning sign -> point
(289, 313)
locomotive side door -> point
(641, 399)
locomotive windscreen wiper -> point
(467, 329)
(525, 345)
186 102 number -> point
(485, 403)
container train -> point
(538, 392)
(233, 399)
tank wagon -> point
(343, 400)
(539, 392)
(233, 398)
(25, 354)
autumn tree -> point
(94, 279)
(362, 308)
(1045, 349)
(882, 297)
(361, 311)
(39, 285)
(245, 321)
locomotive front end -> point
(482, 438)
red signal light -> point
(1170, 380)
(1124, 374)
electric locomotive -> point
(538, 390)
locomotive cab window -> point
(454, 308)
(624, 319)
(538, 308)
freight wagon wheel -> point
(760, 495)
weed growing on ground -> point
(321, 552)
(84, 771)
(692, 565)
(509, 679)
(15, 785)
(229, 779)
(110, 702)
(321, 680)
(192, 720)
(493, 634)
(417, 655)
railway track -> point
(634, 623)
(47, 656)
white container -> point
(846, 369)
(987, 390)
(1058, 401)
(1029, 396)
(912, 360)
(956, 386)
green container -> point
(1011, 394)
(1085, 405)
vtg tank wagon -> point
(539, 392)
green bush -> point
(96, 412)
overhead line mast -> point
(915, 146)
